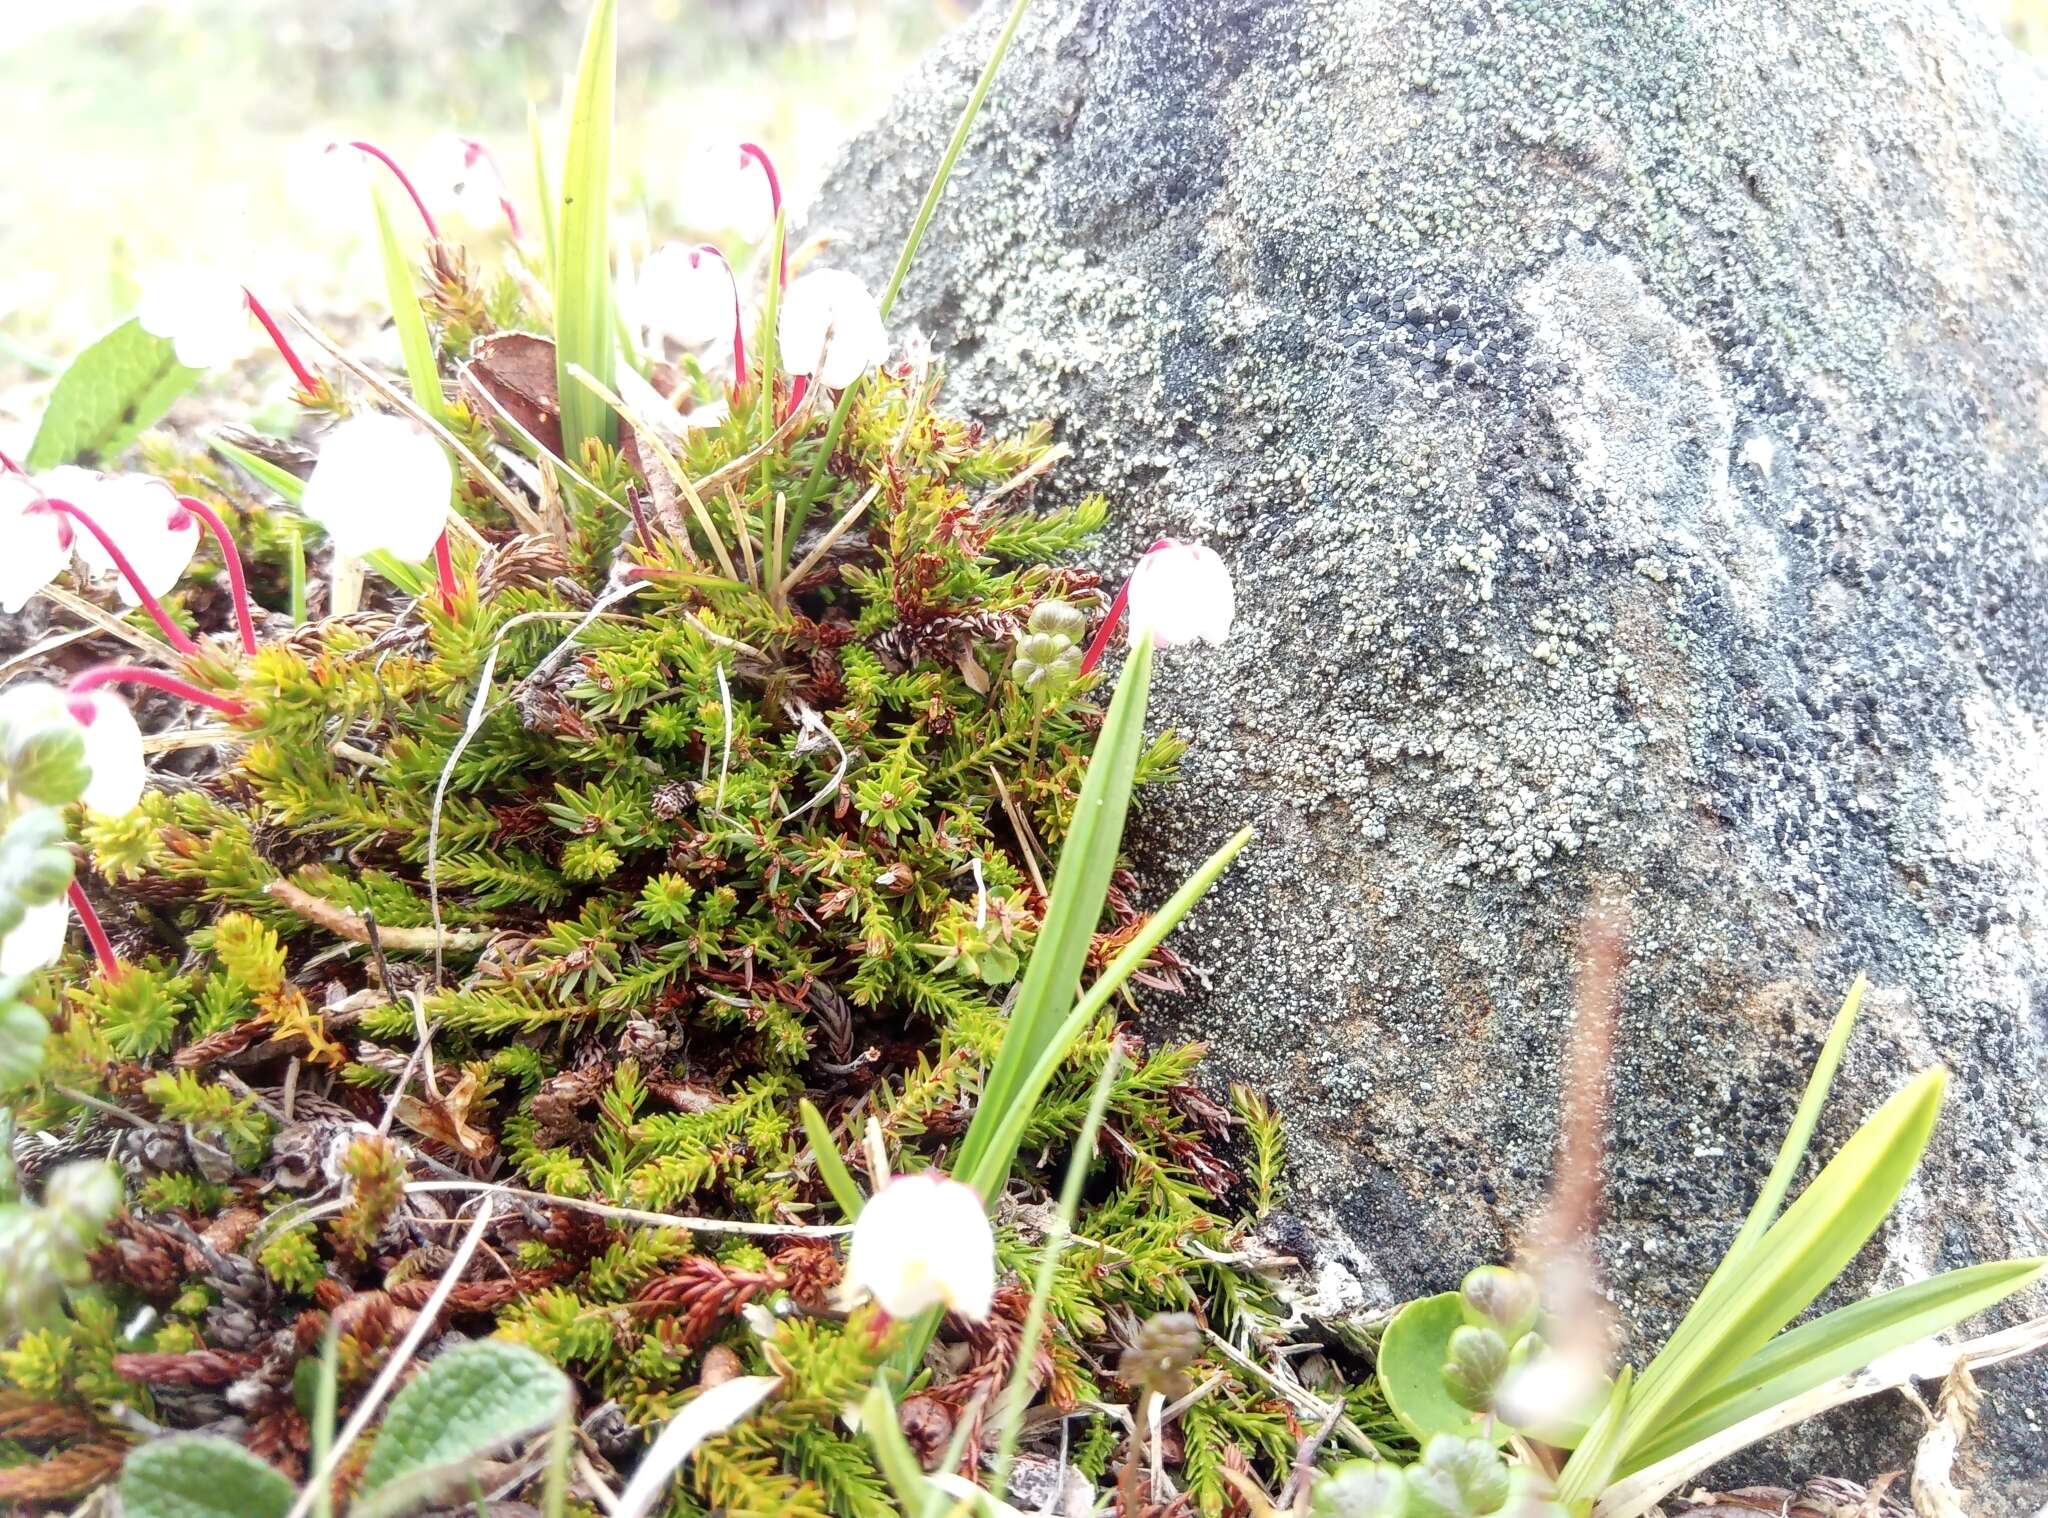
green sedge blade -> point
(583, 276)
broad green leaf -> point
(411, 578)
(414, 340)
(1842, 1342)
(120, 385)
(200, 1476)
(1771, 1198)
(831, 1167)
(1796, 1260)
(22, 1035)
(1008, 1128)
(583, 276)
(1079, 889)
(1411, 1369)
(468, 1402)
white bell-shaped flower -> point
(113, 743)
(686, 296)
(36, 940)
(1181, 593)
(924, 1241)
(113, 747)
(142, 515)
(35, 545)
(723, 192)
(381, 483)
(455, 174)
(201, 310)
(831, 328)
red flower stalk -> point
(798, 389)
(7, 462)
(102, 946)
(392, 164)
(444, 571)
(749, 150)
(1104, 633)
(135, 674)
(739, 336)
(150, 603)
(284, 349)
(232, 556)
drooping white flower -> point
(831, 328)
(381, 483)
(924, 1241)
(36, 940)
(35, 545)
(328, 183)
(456, 174)
(1181, 593)
(1553, 1393)
(723, 192)
(202, 312)
(142, 515)
(113, 743)
(686, 296)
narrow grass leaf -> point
(831, 1167)
(1797, 1259)
(583, 276)
(414, 340)
(543, 190)
(710, 1413)
(1842, 1342)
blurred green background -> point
(143, 133)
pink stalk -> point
(8, 463)
(135, 674)
(232, 556)
(392, 164)
(473, 153)
(444, 570)
(739, 336)
(150, 603)
(749, 150)
(799, 387)
(102, 946)
(1100, 645)
(284, 349)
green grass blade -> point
(1593, 1463)
(1776, 1186)
(325, 1392)
(893, 1454)
(831, 1168)
(543, 190)
(583, 276)
(414, 340)
(1842, 1342)
(1078, 890)
(1010, 1414)
(1794, 1262)
(1008, 1120)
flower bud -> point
(1502, 1299)
(1167, 1344)
(1478, 1359)
(1056, 619)
(1181, 593)
(831, 328)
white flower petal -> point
(37, 939)
(34, 545)
(457, 177)
(831, 328)
(723, 192)
(924, 1241)
(113, 747)
(200, 310)
(142, 515)
(328, 183)
(685, 295)
(1181, 593)
(380, 484)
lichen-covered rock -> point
(1626, 422)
